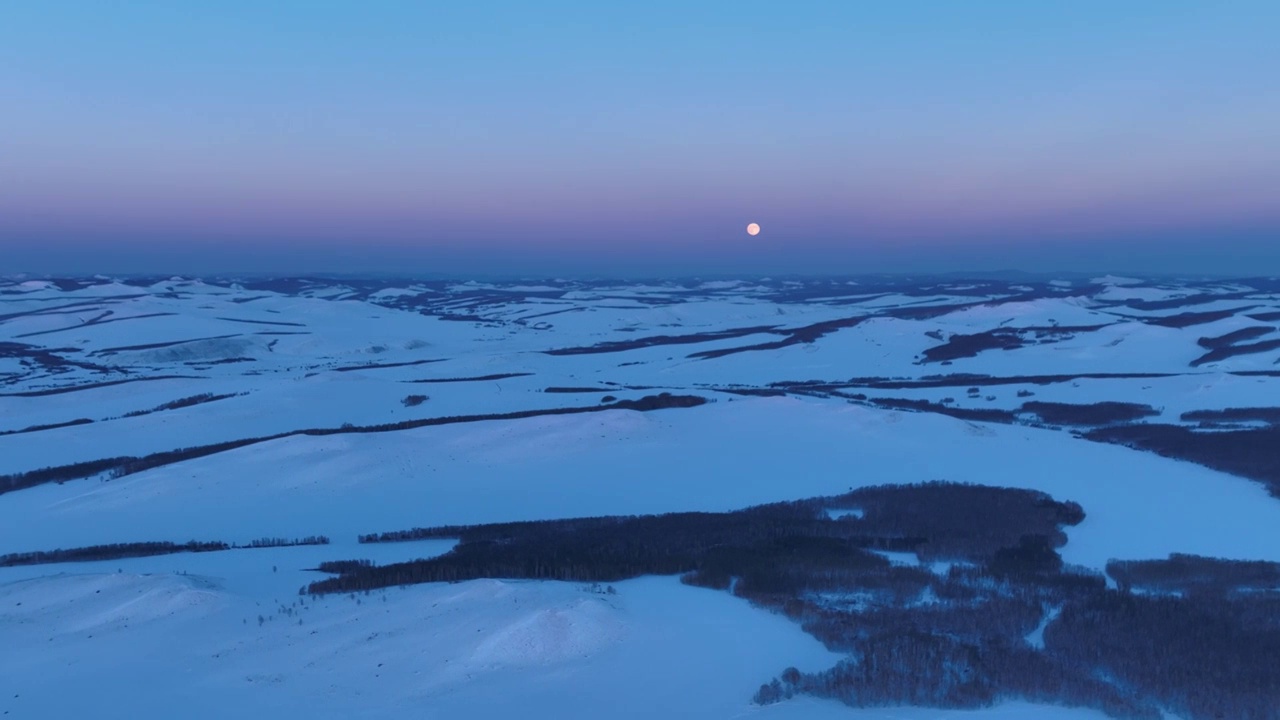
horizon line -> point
(975, 274)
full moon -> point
(753, 229)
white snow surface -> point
(314, 354)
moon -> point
(753, 229)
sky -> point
(560, 138)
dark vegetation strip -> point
(1186, 300)
(1192, 574)
(379, 366)
(24, 350)
(913, 637)
(929, 312)
(93, 322)
(965, 346)
(159, 345)
(753, 391)
(203, 364)
(550, 313)
(1189, 319)
(962, 380)
(108, 552)
(127, 465)
(119, 551)
(658, 340)
(337, 567)
(97, 385)
(796, 336)
(662, 401)
(936, 521)
(1198, 658)
(48, 358)
(54, 313)
(1233, 415)
(1235, 336)
(1005, 338)
(976, 414)
(56, 309)
(651, 301)
(286, 542)
(263, 322)
(1253, 453)
(1096, 414)
(1269, 316)
(183, 403)
(477, 378)
(1230, 351)
(50, 426)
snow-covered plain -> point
(179, 635)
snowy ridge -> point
(92, 369)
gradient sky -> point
(636, 138)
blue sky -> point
(617, 138)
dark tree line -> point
(49, 426)
(1199, 298)
(1094, 414)
(117, 551)
(1234, 337)
(1205, 655)
(343, 566)
(1004, 338)
(287, 542)
(114, 551)
(914, 667)
(1228, 416)
(792, 336)
(475, 378)
(1252, 453)
(963, 345)
(182, 403)
(915, 405)
(1229, 351)
(612, 346)
(1192, 574)
(1187, 319)
(951, 380)
(95, 385)
(934, 520)
(1048, 413)
(1201, 657)
(381, 366)
(913, 636)
(120, 466)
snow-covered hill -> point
(95, 370)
